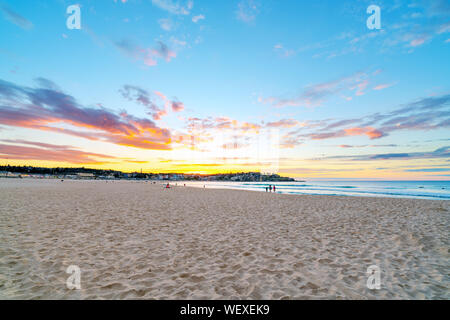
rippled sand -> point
(136, 240)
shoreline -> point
(327, 195)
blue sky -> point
(176, 77)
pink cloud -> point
(315, 95)
(417, 42)
(153, 104)
(49, 152)
(383, 86)
(177, 106)
(284, 123)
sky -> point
(300, 88)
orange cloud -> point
(369, 131)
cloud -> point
(315, 95)
(152, 101)
(369, 131)
(444, 28)
(428, 113)
(147, 55)
(440, 153)
(39, 144)
(177, 106)
(221, 123)
(429, 103)
(424, 114)
(48, 152)
(387, 156)
(356, 131)
(340, 123)
(247, 10)
(175, 7)
(360, 87)
(418, 24)
(418, 41)
(383, 86)
(284, 123)
(429, 170)
(288, 142)
(178, 43)
(47, 109)
(285, 53)
(234, 145)
(196, 19)
(16, 18)
(346, 146)
(165, 24)
(45, 83)
(142, 97)
(412, 35)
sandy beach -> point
(136, 240)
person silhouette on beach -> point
(273, 188)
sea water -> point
(437, 190)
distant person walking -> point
(274, 188)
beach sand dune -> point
(136, 240)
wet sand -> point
(136, 240)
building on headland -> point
(106, 177)
(85, 175)
(6, 174)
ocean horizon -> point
(431, 190)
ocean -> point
(433, 190)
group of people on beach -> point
(176, 184)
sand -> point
(136, 240)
